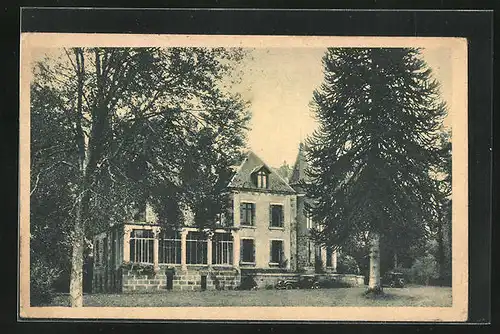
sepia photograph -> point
(243, 177)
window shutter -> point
(282, 252)
(230, 208)
(241, 250)
(270, 251)
(282, 216)
(242, 206)
(253, 214)
(270, 215)
(253, 250)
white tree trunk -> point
(76, 278)
(78, 236)
(374, 282)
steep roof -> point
(251, 164)
(299, 169)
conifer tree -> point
(372, 157)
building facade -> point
(265, 237)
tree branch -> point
(46, 170)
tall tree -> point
(52, 158)
(131, 115)
(442, 221)
(380, 116)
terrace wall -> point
(189, 280)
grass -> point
(409, 296)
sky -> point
(279, 83)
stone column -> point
(156, 246)
(126, 243)
(236, 249)
(323, 257)
(209, 251)
(334, 261)
(183, 250)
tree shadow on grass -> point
(382, 296)
(380, 293)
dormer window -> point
(261, 179)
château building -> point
(265, 236)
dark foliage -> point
(247, 283)
(42, 278)
(115, 128)
(373, 158)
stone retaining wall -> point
(269, 280)
(351, 279)
(190, 280)
(130, 280)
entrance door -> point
(203, 282)
(106, 263)
(170, 281)
(113, 260)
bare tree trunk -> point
(89, 154)
(78, 236)
(76, 278)
(374, 281)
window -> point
(222, 248)
(196, 248)
(120, 249)
(105, 251)
(247, 251)
(309, 222)
(329, 257)
(141, 246)
(261, 179)
(247, 213)
(317, 253)
(276, 251)
(97, 252)
(276, 215)
(170, 248)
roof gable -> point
(252, 164)
(299, 169)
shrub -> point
(140, 268)
(424, 269)
(283, 263)
(347, 265)
(42, 278)
(318, 266)
(247, 283)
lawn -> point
(409, 296)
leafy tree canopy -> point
(114, 128)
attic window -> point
(262, 179)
